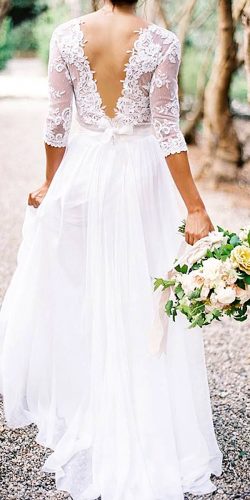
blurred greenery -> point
(44, 27)
(5, 42)
(17, 32)
(238, 90)
(23, 10)
(192, 63)
(23, 37)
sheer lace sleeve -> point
(60, 89)
(164, 102)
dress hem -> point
(204, 487)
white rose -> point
(211, 269)
(225, 295)
(214, 302)
(204, 292)
(228, 272)
(243, 234)
(188, 283)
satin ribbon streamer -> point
(159, 330)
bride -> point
(125, 418)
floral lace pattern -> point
(149, 93)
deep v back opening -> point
(132, 51)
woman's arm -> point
(58, 118)
(54, 157)
(165, 112)
(198, 223)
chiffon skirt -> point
(75, 328)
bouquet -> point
(211, 279)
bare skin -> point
(111, 31)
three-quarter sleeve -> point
(60, 89)
(164, 101)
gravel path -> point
(226, 343)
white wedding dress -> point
(75, 354)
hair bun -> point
(122, 3)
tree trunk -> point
(221, 145)
(246, 24)
(4, 7)
(196, 114)
(241, 11)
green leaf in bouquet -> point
(197, 308)
(164, 283)
(222, 253)
(242, 310)
(244, 276)
(168, 283)
(247, 279)
(197, 265)
(182, 227)
(225, 250)
(248, 238)
(197, 321)
(209, 254)
(224, 257)
(228, 246)
(158, 282)
(195, 294)
(174, 314)
(240, 318)
(221, 230)
(216, 313)
(179, 291)
(168, 307)
(185, 309)
(234, 240)
(241, 284)
(209, 317)
(182, 269)
(217, 253)
(241, 274)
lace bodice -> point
(150, 88)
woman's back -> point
(121, 71)
(110, 39)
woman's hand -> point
(198, 225)
(36, 198)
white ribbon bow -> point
(109, 132)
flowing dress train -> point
(76, 319)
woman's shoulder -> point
(67, 27)
(170, 47)
(165, 35)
